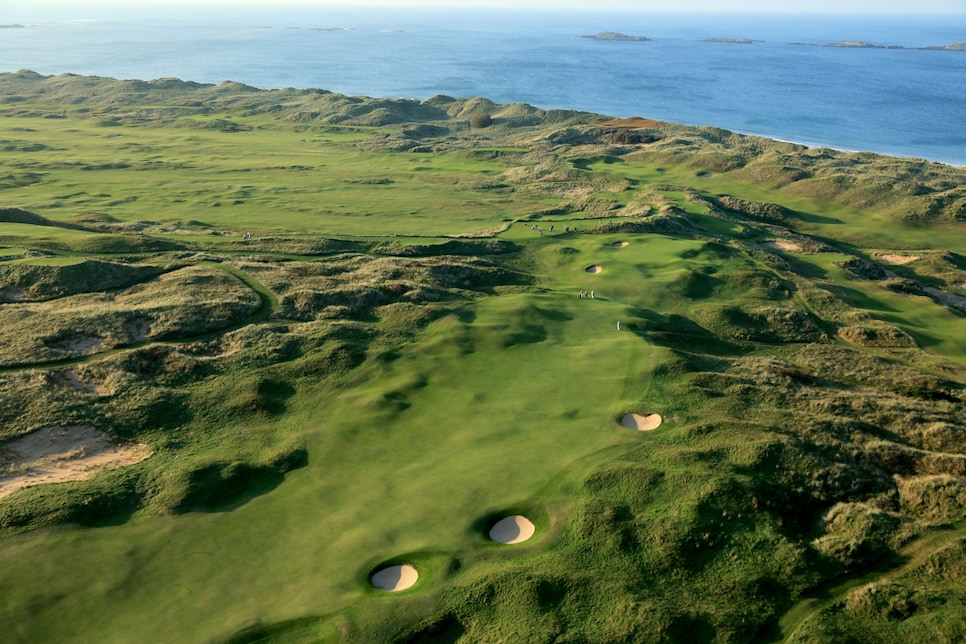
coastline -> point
(959, 163)
(904, 104)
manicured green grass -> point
(48, 261)
(476, 417)
(42, 234)
(160, 174)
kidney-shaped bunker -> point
(512, 529)
(393, 578)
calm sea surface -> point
(904, 102)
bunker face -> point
(512, 529)
(59, 454)
(594, 269)
(620, 244)
(395, 578)
(641, 423)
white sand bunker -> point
(641, 423)
(619, 244)
(896, 259)
(393, 578)
(596, 268)
(512, 529)
(60, 454)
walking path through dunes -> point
(482, 412)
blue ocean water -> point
(904, 102)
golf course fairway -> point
(289, 366)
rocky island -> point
(859, 44)
(956, 46)
(613, 35)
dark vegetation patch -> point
(451, 247)
(767, 212)
(876, 335)
(356, 285)
(43, 282)
(674, 225)
(861, 269)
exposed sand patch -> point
(393, 578)
(515, 528)
(60, 454)
(961, 286)
(619, 244)
(641, 423)
(596, 268)
(784, 244)
(894, 259)
(79, 344)
(70, 380)
(705, 175)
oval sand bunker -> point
(596, 268)
(512, 529)
(641, 423)
(393, 578)
(619, 244)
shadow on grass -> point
(320, 629)
(105, 503)
(858, 299)
(440, 629)
(223, 487)
(679, 332)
